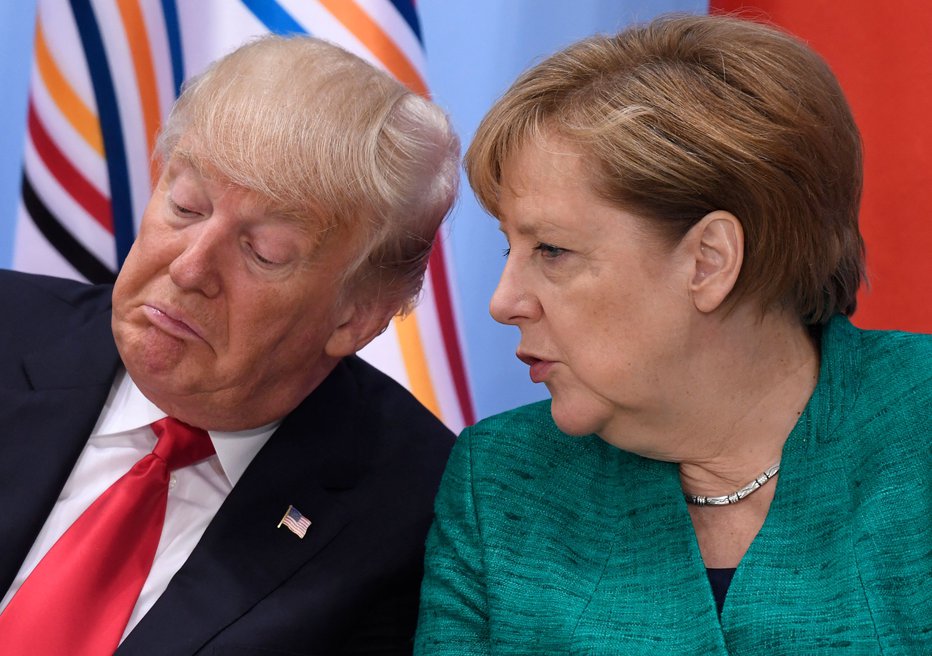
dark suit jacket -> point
(360, 457)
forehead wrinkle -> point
(532, 227)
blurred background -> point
(95, 58)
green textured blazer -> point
(550, 544)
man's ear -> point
(716, 250)
(359, 324)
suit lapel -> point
(47, 416)
(318, 451)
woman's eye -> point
(549, 251)
(506, 252)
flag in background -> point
(105, 75)
(882, 56)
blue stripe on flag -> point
(274, 17)
(409, 13)
(108, 113)
(173, 30)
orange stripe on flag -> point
(78, 114)
(377, 41)
(381, 45)
(135, 28)
(412, 352)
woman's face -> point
(603, 306)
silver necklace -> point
(734, 497)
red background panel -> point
(882, 54)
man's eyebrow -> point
(301, 221)
(197, 161)
(304, 219)
(181, 160)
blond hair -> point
(323, 135)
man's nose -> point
(197, 267)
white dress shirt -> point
(121, 437)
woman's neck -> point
(746, 380)
(759, 399)
(769, 383)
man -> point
(299, 193)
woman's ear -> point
(716, 248)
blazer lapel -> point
(318, 451)
(47, 416)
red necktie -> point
(78, 599)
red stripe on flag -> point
(77, 186)
(441, 287)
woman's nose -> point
(512, 302)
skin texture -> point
(600, 302)
(226, 313)
(636, 343)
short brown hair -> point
(690, 114)
(323, 135)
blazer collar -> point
(47, 416)
(84, 357)
(319, 451)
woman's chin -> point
(573, 419)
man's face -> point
(225, 313)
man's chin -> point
(152, 352)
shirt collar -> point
(128, 409)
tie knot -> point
(180, 445)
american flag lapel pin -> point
(295, 522)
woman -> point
(727, 465)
